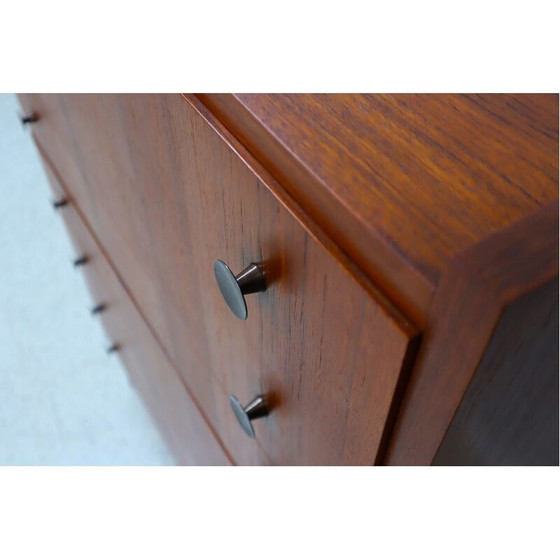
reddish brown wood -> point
(404, 182)
(319, 341)
(324, 343)
(436, 210)
(172, 408)
(471, 299)
(124, 197)
(509, 413)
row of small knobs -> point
(31, 117)
(81, 261)
(233, 288)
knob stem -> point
(257, 408)
(251, 280)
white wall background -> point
(63, 401)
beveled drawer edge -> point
(315, 231)
(318, 234)
(379, 259)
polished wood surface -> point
(475, 167)
(180, 422)
(324, 343)
(475, 293)
(404, 182)
(123, 195)
(509, 414)
(383, 222)
(318, 340)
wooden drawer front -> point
(318, 341)
(167, 197)
(178, 418)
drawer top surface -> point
(426, 176)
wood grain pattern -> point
(484, 161)
(316, 339)
(159, 386)
(130, 194)
(370, 212)
(325, 344)
(509, 414)
(471, 299)
(404, 182)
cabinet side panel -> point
(479, 286)
(509, 414)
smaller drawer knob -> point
(113, 349)
(99, 308)
(234, 288)
(257, 408)
(80, 261)
(30, 117)
(59, 203)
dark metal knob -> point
(257, 408)
(113, 348)
(59, 203)
(30, 117)
(234, 288)
(99, 308)
(80, 261)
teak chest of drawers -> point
(406, 249)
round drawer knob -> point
(60, 203)
(30, 117)
(99, 308)
(81, 261)
(113, 348)
(257, 408)
(234, 288)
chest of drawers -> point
(408, 246)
